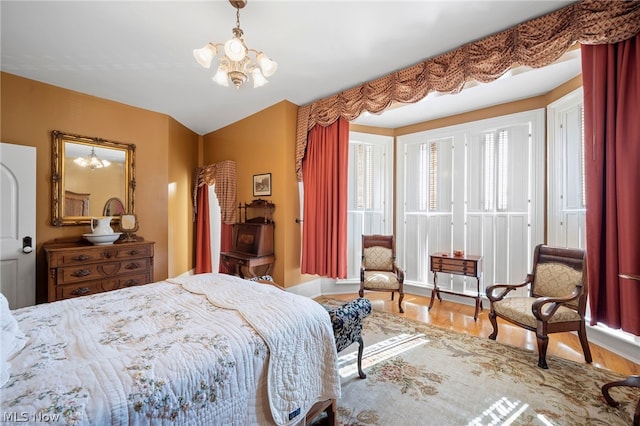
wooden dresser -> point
(79, 268)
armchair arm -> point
(505, 289)
(543, 314)
(399, 272)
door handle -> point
(27, 245)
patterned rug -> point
(419, 374)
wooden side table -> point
(467, 265)
(236, 261)
(632, 381)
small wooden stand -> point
(468, 265)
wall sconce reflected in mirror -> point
(129, 225)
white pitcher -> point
(103, 227)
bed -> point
(205, 349)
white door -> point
(18, 224)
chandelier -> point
(236, 64)
(92, 161)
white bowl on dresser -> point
(102, 239)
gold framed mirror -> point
(86, 174)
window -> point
(496, 164)
(370, 191)
(428, 190)
(566, 201)
(364, 176)
(476, 187)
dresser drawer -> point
(454, 266)
(93, 271)
(91, 287)
(100, 254)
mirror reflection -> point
(92, 177)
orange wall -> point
(31, 110)
(265, 143)
(183, 154)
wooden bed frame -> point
(328, 406)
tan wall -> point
(31, 110)
(265, 143)
(183, 154)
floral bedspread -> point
(154, 354)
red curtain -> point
(226, 243)
(611, 83)
(325, 174)
(203, 240)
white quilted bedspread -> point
(297, 330)
(160, 355)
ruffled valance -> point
(535, 43)
(223, 175)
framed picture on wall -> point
(262, 184)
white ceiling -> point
(140, 52)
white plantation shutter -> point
(370, 193)
(471, 187)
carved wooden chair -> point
(557, 298)
(379, 270)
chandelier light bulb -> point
(205, 55)
(267, 66)
(235, 49)
(221, 76)
(258, 78)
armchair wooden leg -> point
(633, 381)
(400, 303)
(392, 294)
(360, 350)
(582, 333)
(361, 293)
(543, 342)
(494, 323)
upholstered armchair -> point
(347, 325)
(556, 302)
(379, 270)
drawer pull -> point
(81, 291)
(82, 257)
(133, 252)
(132, 266)
(108, 254)
(81, 273)
(130, 283)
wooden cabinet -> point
(78, 268)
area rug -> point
(418, 374)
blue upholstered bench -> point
(347, 325)
(346, 321)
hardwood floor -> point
(459, 318)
